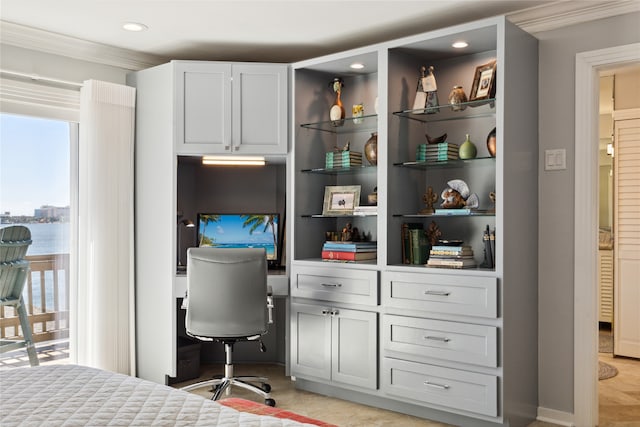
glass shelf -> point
(444, 164)
(348, 125)
(340, 171)
(355, 215)
(478, 212)
(481, 108)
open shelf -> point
(448, 215)
(473, 109)
(346, 125)
(341, 171)
(354, 215)
(445, 164)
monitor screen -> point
(240, 231)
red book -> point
(348, 256)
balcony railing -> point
(46, 296)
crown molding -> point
(533, 20)
(563, 13)
(58, 44)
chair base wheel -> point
(270, 402)
(266, 388)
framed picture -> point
(340, 199)
(484, 82)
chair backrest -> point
(14, 242)
(227, 292)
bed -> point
(72, 395)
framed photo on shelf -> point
(340, 199)
(484, 81)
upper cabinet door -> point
(259, 109)
(225, 108)
(203, 107)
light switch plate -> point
(555, 159)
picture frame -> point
(484, 81)
(340, 199)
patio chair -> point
(14, 242)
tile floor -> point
(328, 409)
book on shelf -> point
(451, 263)
(365, 210)
(449, 248)
(459, 211)
(419, 246)
(350, 247)
(405, 236)
(349, 256)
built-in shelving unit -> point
(478, 365)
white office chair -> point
(227, 301)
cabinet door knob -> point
(335, 312)
(440, 293)
(436, 385)
(325, 311)
(434, 338)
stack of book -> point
(460, 256)
(415, 246)
(349, 251)
(436, 152)
(342, 159)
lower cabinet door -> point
(430, 384)
(354, 347)
(311, 341)
(334, 344)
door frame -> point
(585, 354)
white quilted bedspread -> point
(71, 395)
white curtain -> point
(103, 328)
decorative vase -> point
(457, 97)
(371, 149)
(491, 142)
(467, 150)
(337, 113)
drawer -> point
(460, 295)
(430, 384)
(458, 342)
(335, 284)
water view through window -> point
(35, 189)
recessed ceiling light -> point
(357, 66)
(134, 26)
(460, 44)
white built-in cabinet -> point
(187, 109)
(230, 108)
(455, 345)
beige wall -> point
(627, 89)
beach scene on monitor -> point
(239, 231)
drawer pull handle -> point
(436, 385)
(434, 338)
(440, 293)
(331, 285)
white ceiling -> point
(241, 30)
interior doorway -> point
(588, 67)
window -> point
(37, 190)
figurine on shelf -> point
(337, 113)
(457, 196)
(492, 197)
(433, 233)
(431, 88)
(429, 198)
(350, 233)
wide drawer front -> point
(461, 295)
(335, 284)
(458, 342)
(461, 390)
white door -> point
(627, 238)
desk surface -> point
(277, 279)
